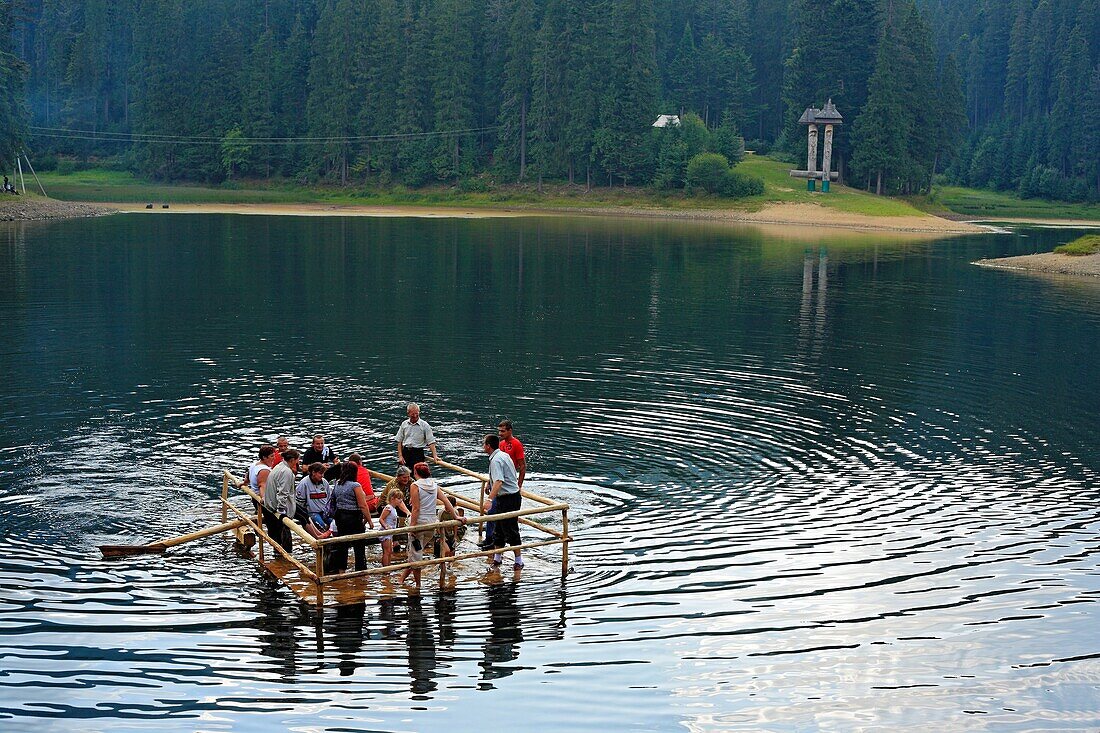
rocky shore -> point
(1048, 262)
(29, 208)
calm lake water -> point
(841, 483)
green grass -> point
(780, 187)
(1086, 245)
(119, 187)
(994, 206)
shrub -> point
(66, 166)
(1086, 245)
(726, 141)
(707, 172)
(738, 185)
(693, 131)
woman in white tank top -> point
(425, 496)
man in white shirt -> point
(413, 438)
(504, 488)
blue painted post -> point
(810, 185)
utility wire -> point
(127, 137)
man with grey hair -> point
(413, 438)
(278, 498)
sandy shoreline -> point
(806, 215)
(1047, 262)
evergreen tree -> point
(950, 118)
(12, 76)
(1090, 110)
(627, 107)
(515, 104)
(453, 62)
(683, 70)
(880, 130)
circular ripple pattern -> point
(851, 486)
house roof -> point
(667, 120)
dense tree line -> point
(419, 91)
(1032, 80)
(12, 74)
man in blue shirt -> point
(504, 489)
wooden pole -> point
(225, 495)
(306, 572)
(216, 529)
(437, 561)
(380, 533)
(564, 543)
(466, 503)
(21, 179)
(290, 523)
(481, 510)
(259, 535)
(162, 545)
(40, 187)
(827, 159)
(482, 477)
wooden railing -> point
(317, 575)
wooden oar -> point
(162, 545)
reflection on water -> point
(823, 482)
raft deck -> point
(312, 585)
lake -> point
(819, 481)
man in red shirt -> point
(363, 478)
(510, 444)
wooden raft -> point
(307, 579)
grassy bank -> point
(1080, 247)
(120, 187)
(994, 206)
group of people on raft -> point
(330, 497)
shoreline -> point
(29, 207)
(782, 214)
(1047, 263)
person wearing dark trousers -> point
(279, 499)
(351, 512)
(504, 491)
(509, 444)
(414, 439)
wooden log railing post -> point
(225, 496)
(317, 573)
(564, 543)
(481, 509)
(260, 535)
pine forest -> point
(1001, 94)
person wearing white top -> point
(414, 437)
(425, 496)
